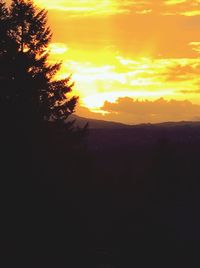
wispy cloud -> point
(87, 7)
(174, 2)
(140, 78)
(76, 8)
(195, 46)
(191, 13)
(187, 8)
(144, 11)
(58, 48)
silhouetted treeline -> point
(114, 205)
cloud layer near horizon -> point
(130, 111)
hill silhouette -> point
(96, 124)
(125, 191)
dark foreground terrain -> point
(124, 197)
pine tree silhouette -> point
(30, 89)
(40, 150)
(3, 18)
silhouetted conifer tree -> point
(33, 148)
(31, 97)
(28, 85)
(3, 19)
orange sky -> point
(137, 50)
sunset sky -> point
(132, 61)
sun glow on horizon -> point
(139, 77)
(116, 49)
(95, 102)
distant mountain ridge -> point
(101, 124)
(96, 124)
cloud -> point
(58, 48)
(76, 8)
(186, 91)
(143, 12)
(174, 2)
(133, 111)
(186, 8)
(131, 27)
(112, 7)
(96, 81)
(191, 13)
(195, 46)
(188, 71)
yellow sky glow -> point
(83, 6)
(114, 49)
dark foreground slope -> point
(152, 173)
(123, 197)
